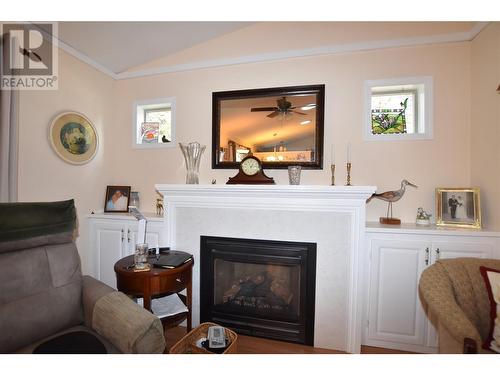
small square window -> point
(154, 123)
(398, 109)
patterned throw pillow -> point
(492, 281)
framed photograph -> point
(117, 199)
(458, 207)
(73, 137)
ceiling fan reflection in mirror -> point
(284, 108)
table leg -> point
(147, 295)
(189, 295)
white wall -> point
(43, 176)
(485, 121)
(443, 161)
(446, 160)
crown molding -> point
(75, 53)
(280, 55)
(309, 52)
(84, 58)
(478, 27)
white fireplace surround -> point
(331, 216)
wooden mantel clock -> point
(250, 172)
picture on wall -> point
(117, 199)
(458, 207)
(73, 137)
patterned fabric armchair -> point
(455, 293)
(45, 302)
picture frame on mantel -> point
(117, 199)
(458, 207)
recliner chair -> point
(456, 294)
(47, 306)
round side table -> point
(157, 282)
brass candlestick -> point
(332, 167)
(348, 174)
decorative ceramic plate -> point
(73, 137)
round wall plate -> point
(73, 137)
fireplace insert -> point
(259, 287)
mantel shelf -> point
(411, 228)
(268, 191)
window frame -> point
(168, 103)
(423, 107)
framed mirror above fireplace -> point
(282, 126)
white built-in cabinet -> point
(394, 315)
(113, 236)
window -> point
(398, 109)
(154, 123)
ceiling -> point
(125, 50)
(118, 46)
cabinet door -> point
(395, 314)
(129, 240)
(154, 235)
(456, 249)
(108, 242)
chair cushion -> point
(72, 343)
(40, 294)
(21, 221)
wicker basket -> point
(187, 345)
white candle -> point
(333, 156)
(348, 152)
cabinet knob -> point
(426, 256)
(437, 253)
(123, 235)
(128, 235)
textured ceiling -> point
(119, 46)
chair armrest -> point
(117, 318)
(93, 290)
(437, 291)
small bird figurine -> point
(391, 196)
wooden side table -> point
(158, 282)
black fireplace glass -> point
(261, 288)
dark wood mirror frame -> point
(217, 97)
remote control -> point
(216, 337)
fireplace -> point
(259, 287)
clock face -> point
(250, 166)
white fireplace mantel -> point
(332, 216)
(269, 191)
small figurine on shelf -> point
(159, 206)
(423, 218)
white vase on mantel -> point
(423, 222)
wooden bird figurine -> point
(391, 196)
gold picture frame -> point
(458, 207)
(73, 137)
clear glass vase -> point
(294, 174)
(134, 199)
(192, 155)
(141, 256)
